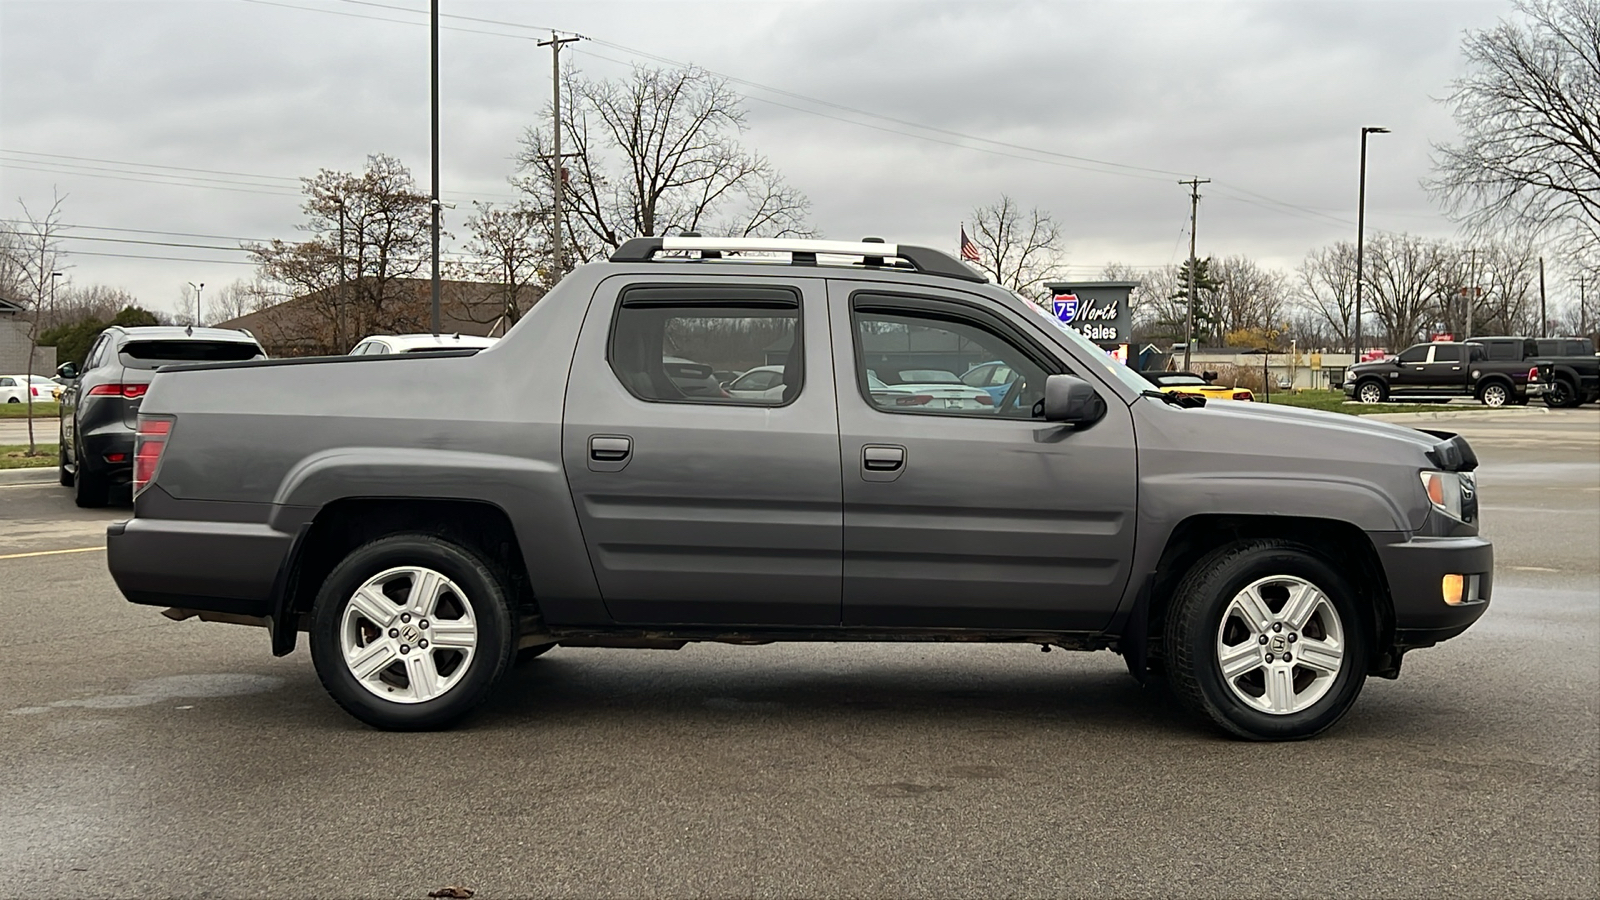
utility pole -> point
(1544, 320)
(434, 84)
(1361, 227)
(1472, 291)
(1194, 217)
(340, 339)
(556, 260)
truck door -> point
(699, 508)
(1446, 371)
(975, 514)
(1411, 369)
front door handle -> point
(882, 459)
(882, 462)
(609, 448)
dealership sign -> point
(1098, 310)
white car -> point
(760, 383)
(389, 344)
(16, 388)
(928, 389)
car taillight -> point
(1244, 395)
(148, 443)
(914, 400)
(1533, 374)
(130, 391)
(984, 400)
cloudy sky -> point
(189, 123)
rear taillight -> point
(1533, 374)
(914, 400)
(984, 400)
(1244, 395)
(130, 391)
(148, 444)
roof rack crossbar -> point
(926, 260)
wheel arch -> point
(1342, 544)
(347, 523)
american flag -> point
(969, 250)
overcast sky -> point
(1267, 99)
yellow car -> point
(1195, 386)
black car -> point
(100, 407)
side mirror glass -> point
(67, 370)
(1072, 401)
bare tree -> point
(1158, 311)
(381, 223)
(79, 303)
(239, 299)
(1247, 298)
(1407, 279)
(1018, 250)
(510, 249)
(1499, 280)
(38, 242)
(655, 152)
(1326, 289)
(1529, 156)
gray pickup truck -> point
(592, 481)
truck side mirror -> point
(67, 370)
(1072, 401)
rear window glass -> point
(154, 354)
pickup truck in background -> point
(1569, 376)
(1494, 370)
(430, 519)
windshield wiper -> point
(1187, 401)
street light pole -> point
(434, 49)
(197, 289)
(1361, 228)
(1194, 218)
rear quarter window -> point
(155, 354)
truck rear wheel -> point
(1371, 391)
(1494, 395)
(412, 632)
(1560, 394)
(1267, 641)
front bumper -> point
(226, 567)
(1416, 570)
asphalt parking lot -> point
(143, 757)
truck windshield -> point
(155, 354)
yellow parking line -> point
(50, 552)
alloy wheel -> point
(1495, 396)
(1280, 645)
(1371, 393)
(407, 634)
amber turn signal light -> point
(1453, 586)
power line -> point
(119, 162)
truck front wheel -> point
(1372, 391)
(412, 632)
(1267, 641)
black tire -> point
(1561, 394)
(1194, 634)
(63, 472)
(13, 400)
(91, 490)
(1371, 387)
(1494, 395)
(483, 591)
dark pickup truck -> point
(1495, 370)
(430, 519)
(1568, 374)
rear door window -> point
(1447, 354)
(667, 342)
(155, 354)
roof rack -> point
(925, 260)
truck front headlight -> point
(1453, 493)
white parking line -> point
(50, 552)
